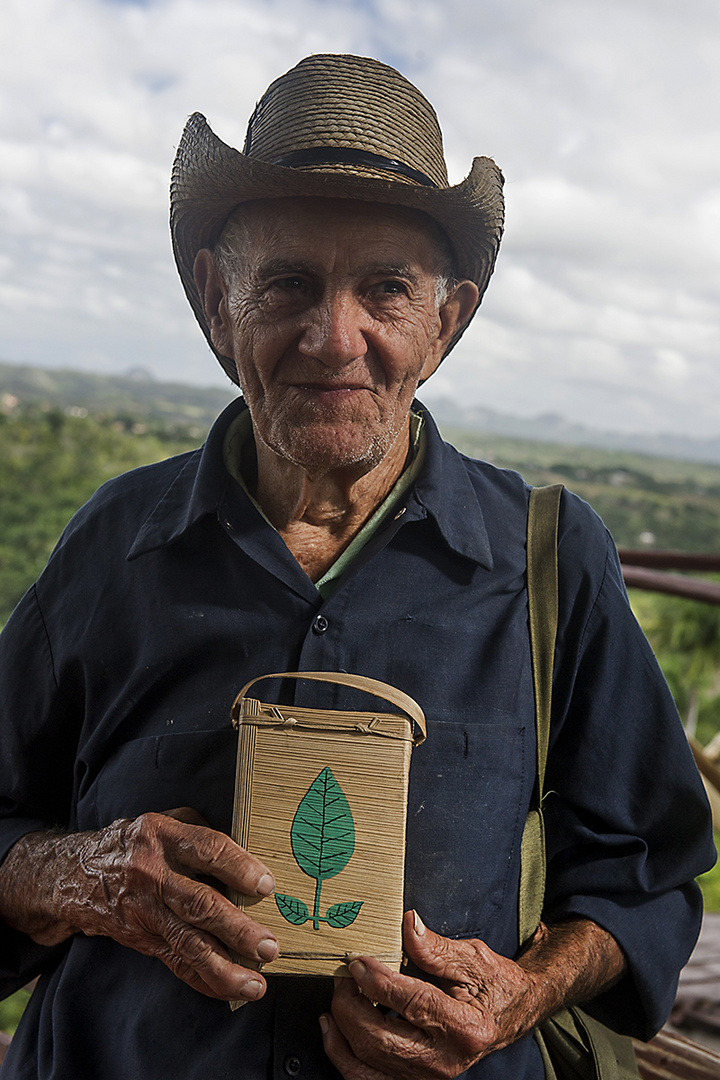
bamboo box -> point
(321, 798)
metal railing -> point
(647, 570)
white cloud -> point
(672, 366)
(602, 115)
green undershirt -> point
(238, 440)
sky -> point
(603, 115)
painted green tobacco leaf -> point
(295, 911)
(323, 831)
(341, 915)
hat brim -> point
(210, 179)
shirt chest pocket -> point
(469, 795)
(163, 772)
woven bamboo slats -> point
(321, 798)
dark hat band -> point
(343, 155)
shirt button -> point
(292, 1066)
(320, 624)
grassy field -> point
(644, 501)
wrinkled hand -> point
(140, 882)
(484, 1002)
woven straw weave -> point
(383, 113)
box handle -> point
(396, 697)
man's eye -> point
(293, 283)
(393, 288)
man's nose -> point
(334, 331)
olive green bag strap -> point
(573, 1045)
(542, 583)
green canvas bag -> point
(573, 1045)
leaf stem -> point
(316, 909)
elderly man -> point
(325, 526)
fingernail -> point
(324, 1026)
(266, 884)
(252, 990)
(357, 968)
(418, 924)
(267, 949)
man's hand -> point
(483, 1002)
(141, 882)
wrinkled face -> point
(331, 314)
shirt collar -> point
(196, 491)
(443, 491)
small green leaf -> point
(295, 911)
(323, 831)
(341, 915)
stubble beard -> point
(319, 444)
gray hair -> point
(227, 252)
(445, 285)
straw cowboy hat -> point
(336, 126)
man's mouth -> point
(328, 391)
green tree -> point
(685, 636)
(50, 464)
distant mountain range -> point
(550, 428)
(136, 393)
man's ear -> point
(453, 314)
(213, 293)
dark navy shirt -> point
(168, 591)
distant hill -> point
(138, 395)
(550, 428)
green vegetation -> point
(685, 636)
(644, 501)
(135, 395)
(710, 884)
(50, 464)
(12, 1009)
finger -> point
(432, 1015)
(368, 1028)
(200, 960)
(433, 1035)
(455, 960)
(200, 905)
(183, 970)
(186, 814)
(353, 1008)
(206, 851)
(382, 1041)
(340, 1053)
(413, 999)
